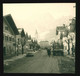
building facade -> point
(61, 30)
(44, 44)
(9, 36)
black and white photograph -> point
(39, 37)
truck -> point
(58, 49)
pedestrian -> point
(51, 50)
(48, 52)
(65, 47)
(53, 47)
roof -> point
(4, 19)
(61, 28)
(12, 24)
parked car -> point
(30, 53)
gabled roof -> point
(4, 19)
(12, 24)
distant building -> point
(44, 44)
(9, 36)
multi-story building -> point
(68, 34)
(61, 31)
(9, 36)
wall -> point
(8, 40)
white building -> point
(44, 44)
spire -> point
(36, 35)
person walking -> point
(53, 47)
(48, 52)
(51, 50)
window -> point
(13, 39)
(6, 28)
(6, 38)
(9, 38)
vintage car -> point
(30, 53)
(58, 49)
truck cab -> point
(58, 49)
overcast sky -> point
(42, 17)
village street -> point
(33, 32)
(39, 63)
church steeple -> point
(36, 35)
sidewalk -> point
(71, 57)
(6, 62)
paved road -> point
(40, 63)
